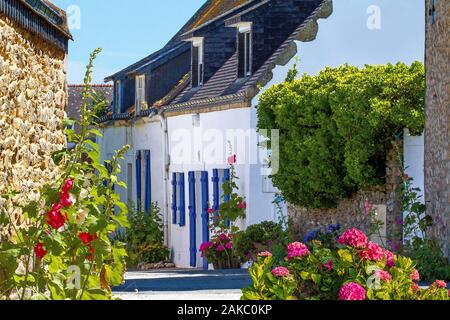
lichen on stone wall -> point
(32, 103)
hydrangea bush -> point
(65, 250)
(351, 269)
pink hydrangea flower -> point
(354, 238)
(390, 262)
(373, 252)
(281, 272)
(415, 287)
(352, 291)
(297, 249)
(264, 254)
(229, 246)
(415, 276)
(220, 248)
(383, 275)
(440, 283)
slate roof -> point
(271, 46)
(211, 10)
(40, 17)
(75, 98)
(225, 84)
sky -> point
(358, 32)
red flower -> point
(242, 205)
(65, 200)
(68, 185)
(211, 211)
(39, 250)
(328, 265)
(90, 256)
(55, 218)
(87, 238)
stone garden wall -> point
(437, 128)
(32, 103)
(350, 212)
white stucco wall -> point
(193, 148)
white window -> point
(244, 50)
(140, 93)
(197, 62)
(117, 98)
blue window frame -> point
(139, 180)
(192, 220)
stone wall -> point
(350, 212)
(437, 129)
(32, 103)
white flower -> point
(81, 216)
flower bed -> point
(353, 268)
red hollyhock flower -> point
(65, 201)
(39, 250)
(87, 238)
(90, 256)
(55, 218)
(242, 205)
(68, 185)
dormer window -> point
(244, 50)
(140, 93)
(197, 62)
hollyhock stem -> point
(86, 280)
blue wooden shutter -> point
(226, 177)
(216, 192)
(148, 181)
(138, 181)
(205, 215)
(181, 198)
(192, 221)
(174, 198)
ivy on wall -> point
(336, 128)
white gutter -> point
(165, 152)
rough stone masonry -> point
(32, 102)
(437, 128)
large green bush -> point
(336, 128)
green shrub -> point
(266, 236)
(424, 249)
(336, 128)
(145, 238)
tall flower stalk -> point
(65, 251)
